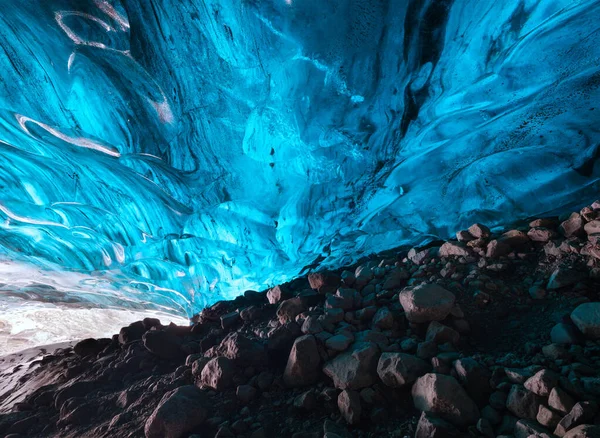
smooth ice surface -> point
(165, 153)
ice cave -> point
(159, 156)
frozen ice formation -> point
(166, 154)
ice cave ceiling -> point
(168, 153)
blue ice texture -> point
(168, 154)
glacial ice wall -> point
(165, 154)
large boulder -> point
(163, 344)
(242, 350)
(303, 362)
(179, 412)
(133, 332)
(356, 368)
(218, 373)
(587, 319)
(289, 309)
(443, 396)
(523, 403)
(426, 302)
(400, 369)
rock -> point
(242, 350)
(523, 403)
(563, 333)
(587, 319)
(528, 429)
(573, 226)
(540, 234)
(497, 249)
(479, 231)
(303, 362)
(400, 369)
(312, 326)
(396, 279)
(542, 382)
(349, 406)
(76, 389)
(514, 238)
(133, 332)
(218, 373)
(475, 378)
(464, 236)
(426, 302)
(289, 309)
(430, 426)
(426, 350)
(178, 412)
(334, 430)
(281, 338)
(418, 257)
(90, 346)
(277, 294)
(324, 282)
(383, 319)
(443, 396)
(547, 417)
(455, 249)
(537, 292)
(246, 393)
(339, 342)
(306, 401)
(560, 401)
(229, 320)
(440, 334)
(581, 413)
(584, 431)
(163, 344)
(564, 276)
(198, 365)
(356, 368)
(251, 313)
(592, 227)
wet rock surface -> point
(490, 335)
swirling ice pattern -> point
(167, 154)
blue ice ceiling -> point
(170, 153)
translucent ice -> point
(165, 154)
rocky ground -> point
(489, 335)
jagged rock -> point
(218, 373)
(542, 382)
(464, 236)
(426, 302)
(133, 332)
(430, 426)
(455, 249)
(547, 417)
(564, 276)
(242, 350)
(540, 234)
(523, 403)
(349, 406)
(479, 231)
(281, 338)
(383, 319)
(163, 344)
(475, 378)
(289, 309)
(560, 401)
(178, 412)
(400, 369)
(587, 319)
(252, 313)
(356, 368)
(584, 431)
(306, 401)
(573, 226)
(514, 238)
(311, 326)
(229, 320)
(303, 362)
(440, 334)
(277, 294)
(324, 282)
(581, 413)
(443, 396)
(528, 429)
(420, 256)
(497, 249)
